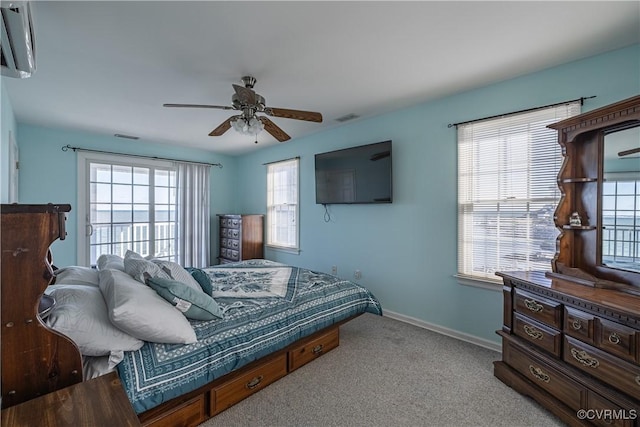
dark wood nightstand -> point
(96, 403)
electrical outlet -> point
(334, 270)
(357, 275)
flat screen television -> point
(353, 175)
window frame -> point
(269, 242)
(84, 160)
(465, 269)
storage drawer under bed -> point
(231, 392)
(313, 349)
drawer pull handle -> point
(254, 382)
(539, 374)
(582, 357)
(576, 324)
(614, 338)
(638, 379)
(317, 349)
(533, 306)
(533, 332)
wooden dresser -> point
(574, 349)
(241, 237)
(35, 359)
(571, 336)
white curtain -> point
(193, 238)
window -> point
(620, 216)
(282, 204)
(127, 205)
(507, 192)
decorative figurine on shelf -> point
(575, 219)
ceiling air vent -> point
(348, 117)
(17, 41)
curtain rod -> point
(522, 111)
(69, 147)
(283, 160)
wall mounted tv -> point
(359, 174)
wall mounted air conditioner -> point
(17, 42)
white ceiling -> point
(107, 67)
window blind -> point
(282, 204)
(508, 192)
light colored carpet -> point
(390, 373)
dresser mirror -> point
(598, 214)
(620, 207)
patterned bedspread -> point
(266, 307)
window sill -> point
(492, 285)
(294, 251)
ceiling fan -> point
(249, 104)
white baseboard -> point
(444, 331)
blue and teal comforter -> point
(266, 307)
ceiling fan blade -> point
(286, 113)
(245, 95)
(219, 107)
(224, 126)
(274, 129)
(629, 152)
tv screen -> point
(355, 175)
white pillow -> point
(140, 311)
(136, 266)
(81, 314)
(106, 261)
(77, 275)
(178, 273)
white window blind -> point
(282, 204)
(508, 192)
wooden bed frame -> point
(199, 405)
(36, 360)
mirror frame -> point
(578, 248)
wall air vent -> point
(17, 41)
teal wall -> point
(48, 174)
(7, 125)
(406, 251)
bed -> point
(266, 320)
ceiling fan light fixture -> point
(247, 126)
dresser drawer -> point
(603, 412)
(313, 349)
(230, 233)
(536, 333)
(579, 325)
(230, 222)
(233, 391)
(543, 310)
(230, 243)
(617, 339)
(614, 371)
(544, 376)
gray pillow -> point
(194, 304)
(81, 314)
(140, 311)
(107, 261)
(177, 272)
(136, 266)
(77, 275)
